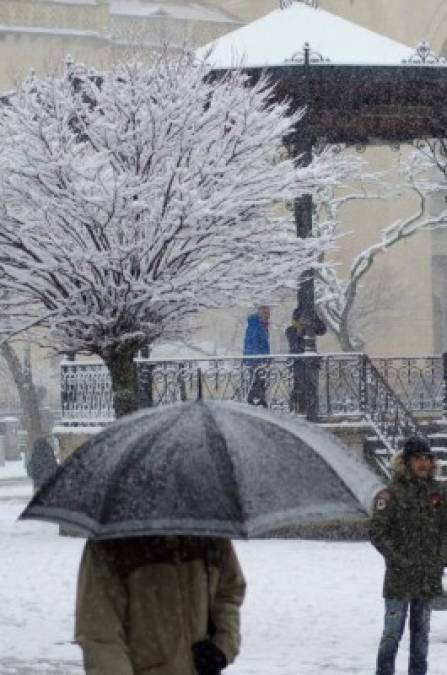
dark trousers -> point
(258, 386)
(304, 396)
(396, 612)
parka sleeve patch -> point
(436, 499)
(382, 500)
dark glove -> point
(208, 658)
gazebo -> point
(358, 87)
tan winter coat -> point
(143, 602)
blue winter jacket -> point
(256, 339)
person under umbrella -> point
(160, 493)
(164, 605)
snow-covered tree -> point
(131, 201)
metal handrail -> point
(419, 381)
(86, 392)
(386, 413)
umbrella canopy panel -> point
(204, 469)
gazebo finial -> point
(307, 56)
(288, 3)
(424, 56)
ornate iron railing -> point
(385, 392)
(418, 381)
(86, 394)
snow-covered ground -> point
(312, 608)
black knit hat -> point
(416, 445)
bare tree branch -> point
(336, 297)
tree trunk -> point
(23, 380)
(120, 363)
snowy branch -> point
(424, 172)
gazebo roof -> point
(352, 82)
(278, 36)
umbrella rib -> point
(216, 431)
(110, 496)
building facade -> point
(39, 34)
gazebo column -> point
(308, 370)
(306, 291)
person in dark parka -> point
(304, 396)
(408, 527)
(42, 463)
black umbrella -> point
(205, 468)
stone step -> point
(438, 440)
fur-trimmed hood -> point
(400, 471)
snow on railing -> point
(322, 385)
(418, 381)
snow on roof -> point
(189, 10)
(278, 36)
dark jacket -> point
(296, 335)
(42, 463)
(143, 602)
(256, 339)
(408, 527)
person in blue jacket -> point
(256, 342)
